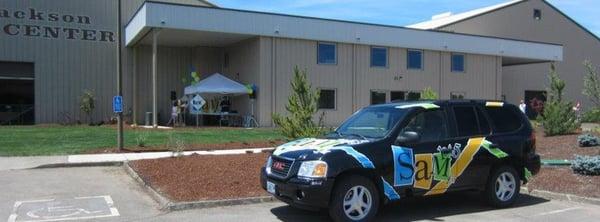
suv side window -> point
(466, 121)
(504, 119)
(431, 125)
(484, 124)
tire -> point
(342, 201)
(503, 187)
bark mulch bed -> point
(204, 177)
(194, 147)
(561, 147)
(563, 180)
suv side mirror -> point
(408, 137)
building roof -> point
(179, 22)
(445, 19)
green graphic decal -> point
(441, 170)
(527, 174)
(493, 150)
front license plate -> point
(270, 187)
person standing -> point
(174, 112)
(522, 106)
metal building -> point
(354, 64)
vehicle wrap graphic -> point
(423, 170)
(459, 166)
(403, 165)
(318, 145)
(389, 191)
(441, 166)
(422, 105)
(493, 150)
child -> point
(174, 112)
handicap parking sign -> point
(118, 104)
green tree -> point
(558, 117)
(429, 94)
(591, 84)
(302, 106)
(87, 104)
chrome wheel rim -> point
(357, 202)
(505, 186)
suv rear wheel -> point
(355, 198)
(503, 187)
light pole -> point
(119, 78)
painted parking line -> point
(558, 211)
(63, 209)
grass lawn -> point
(60, 140)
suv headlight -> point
(268, 165)
(313, 169)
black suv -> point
(387, 152)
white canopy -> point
(216, 84)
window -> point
(505, 119)
(414, 59)
(431, 125)
(537, 14)
(372, 122)
(484, 125)
(397, 96)
(327, 99)
(457, 95)
(413, 96)
(326, 53)
(378, 57)
(458, 63)
(377, 97)
(466, 121)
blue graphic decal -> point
(389, 191)
(361, 158)
(403, 166)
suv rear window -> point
(504, 119)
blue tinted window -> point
(415, 59)
(326, 53)
(458, 63)
(378, 57)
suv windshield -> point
(371, 122)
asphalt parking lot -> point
(109, 194)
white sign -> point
(196, 104)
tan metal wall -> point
(353, 78)
(517, 22)
(64, 68)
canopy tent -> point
(217, 84)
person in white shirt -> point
(174, 112)
(522, 106)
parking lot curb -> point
(90, 164)
(166, 204)
(560, 196)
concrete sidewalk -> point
(17, 163)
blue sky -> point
(402, 12)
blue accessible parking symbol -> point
(118, 104)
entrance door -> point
(16, 93)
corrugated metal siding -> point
(243, 67)
(64, 68)
(354, 78)
(517, 22)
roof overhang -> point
(239, 24)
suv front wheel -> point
(503, 187)
(355, 198)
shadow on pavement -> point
(417, 208)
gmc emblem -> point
(278, 166)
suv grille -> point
(281, 166)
